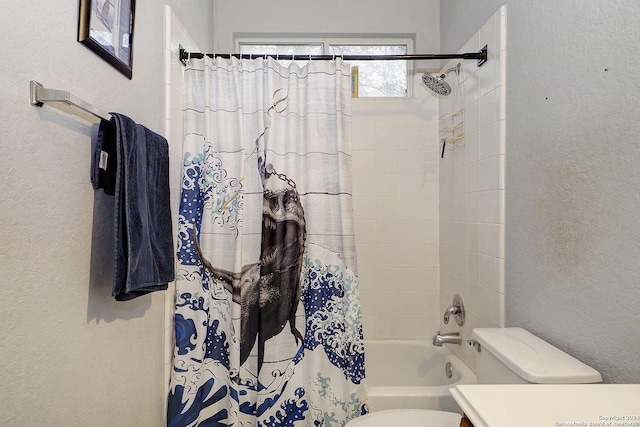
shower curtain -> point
(268, 328)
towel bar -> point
(63, 100)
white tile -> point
(387, 327)
(459, 153)
(362, 161)
(368, 327)
(501, 284)
(408, 209)
(417, 327)
(385, 160)
(418, 303)
(410, 138)
(490, 174)
(473, 207)
(491, 305)
(459, 207)
(501, 172)
(471, 86)
(491, 239)
(501, 69)
(460, 180)
(365, 231)
(384, 136)
(361, 137)
(409, 161)
(489, 272)
(471, 266)
(472, 117)
(502, 29)
(472, 177)
(501, 103)
(490, 206)
(502, 135)
(361, 107)
(487, 109)
(367, 302)
(472, 140)
(472, 237)
(367, 255)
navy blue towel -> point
(103, 160)
(144, 260)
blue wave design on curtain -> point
(320, 380)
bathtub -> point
(411, 374)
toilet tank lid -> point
(534, 359)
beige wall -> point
(69, 354)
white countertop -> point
(555, 405)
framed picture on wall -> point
(106, 27)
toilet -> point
(516, 356)
(504, 356)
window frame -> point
(327, 41)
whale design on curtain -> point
(268, 326)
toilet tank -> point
(516, 356)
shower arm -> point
(456, 69)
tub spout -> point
(447, 338)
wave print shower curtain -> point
(268, 324)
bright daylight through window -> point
(375, 78)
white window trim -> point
(325, 42)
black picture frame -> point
(106, 27)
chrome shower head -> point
(435, 82)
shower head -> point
(435, 82)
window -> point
(375, 78)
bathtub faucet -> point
(447, 338)
(452, 309)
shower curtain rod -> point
(480, 56)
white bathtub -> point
(411, 374)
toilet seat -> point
(407, 418)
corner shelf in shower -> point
(452, 126)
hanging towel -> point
(103, 159)
(144, 260)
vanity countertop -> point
(555, 405)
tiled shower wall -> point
(472, 186)
(395, 189)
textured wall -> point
(70, 355)
(573, 170)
